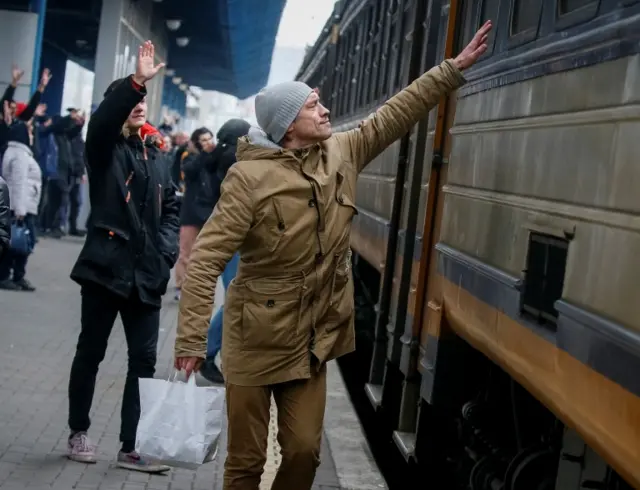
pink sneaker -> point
(79, 449)
(133, 461)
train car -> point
(496, 246)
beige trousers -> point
(300, 418)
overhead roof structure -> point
(230, 42)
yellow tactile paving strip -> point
(273, 450)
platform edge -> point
(355, 466)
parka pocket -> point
(342, 195)
(275, 226)
(107, 248)
(341, 300)
(271, 315)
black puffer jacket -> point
(5, 217)
(132, 238)
(225, 153)
(196, 204)
(70, 154)
(205, 172)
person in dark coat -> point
(221, 160)
(197, 203)
(125, 263)
(180, 152)
(64, 188)
(19, 110)
(5, 218)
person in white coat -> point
(24, 179)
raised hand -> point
(45, 79)
(16, 74)
(40, 110)
(146, 68)
(475, 48)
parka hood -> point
(257, 146)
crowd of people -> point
(42, 159)
(268, 210)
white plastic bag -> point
(180, 423)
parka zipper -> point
(320, 226)
(281, 223)
(126, 185)
(333, 281)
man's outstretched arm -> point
(400, 113)
(219, 239)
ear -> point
(291, 128)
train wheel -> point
(533, 472)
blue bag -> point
(22, 241)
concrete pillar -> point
(17, 45)
(38, 7)
(107, 48)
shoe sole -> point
(82, 459)
(142, 469)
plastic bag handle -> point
(174, 374)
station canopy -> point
(230, 42)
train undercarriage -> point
(481, 431)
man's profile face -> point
(312, 122)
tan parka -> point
(289, 213)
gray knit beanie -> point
(278, 106)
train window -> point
(566, 6)
(406, 41)
(339, 91)
(385, 34)
(572, 12)
(388, 56)
(364, 77)
(544, 277)
(525, 18)
(395, 50)
(489, 11)
(374, 59)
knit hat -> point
(278, 106)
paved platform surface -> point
(38, 333)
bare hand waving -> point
(146, 68)
(45, 79)
(475, 48)
(16, 74)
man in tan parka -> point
(287, 206)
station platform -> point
(38, 334)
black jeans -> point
(141, 324)
(10, 261)
(58, 198)
(42, 205)
(74, 206)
